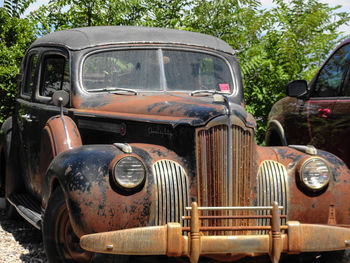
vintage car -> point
(319, 113)
(135, 141)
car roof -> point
(81, 38)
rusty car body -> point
(317, 113)
(135, 141)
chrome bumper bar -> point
(169, 239)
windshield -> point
(155, 70)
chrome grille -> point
(212, 165)
(222, 182)
(171, 191)
(242, 144)
(272, 186)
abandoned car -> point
(135, 141)
(318, 113)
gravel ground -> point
(21, 242)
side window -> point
(332, 74)
(55, 75)
(29, 83)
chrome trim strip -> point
(235, 208)
(124, 147)
(66, 132)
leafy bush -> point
(15, 37)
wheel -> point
(60, 243)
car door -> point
(340, 140)
(24, 115)
(321, 105)
(53, 75)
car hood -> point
(165, 108)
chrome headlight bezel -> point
(121, 174)
(323, 180)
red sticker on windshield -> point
(224, 87)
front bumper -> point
(170, 240)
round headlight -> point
(315, 173)
(129, 172)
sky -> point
(265, 4)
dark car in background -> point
(135, 141)
(319, 113)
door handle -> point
(27, 117)
(323, 113)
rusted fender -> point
(313, 207)
(59, 134)
(94, 203)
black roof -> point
(80, 38)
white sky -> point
(265, 4)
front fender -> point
(315, 207)
(94, 204)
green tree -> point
(166, 13)
(15, 8)
(63, 14)
(15, 36)
(230, 20)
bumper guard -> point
(169, 239)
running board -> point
(27, 207)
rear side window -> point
(55, 75)
(332, 74)
(29, 84)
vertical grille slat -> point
(164, 195)
(176, 190)
(171, 191)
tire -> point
(60, 243)
(11, 212)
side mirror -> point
(60, 97)
(296, 88)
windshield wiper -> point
(204, 92)
(115, 90)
